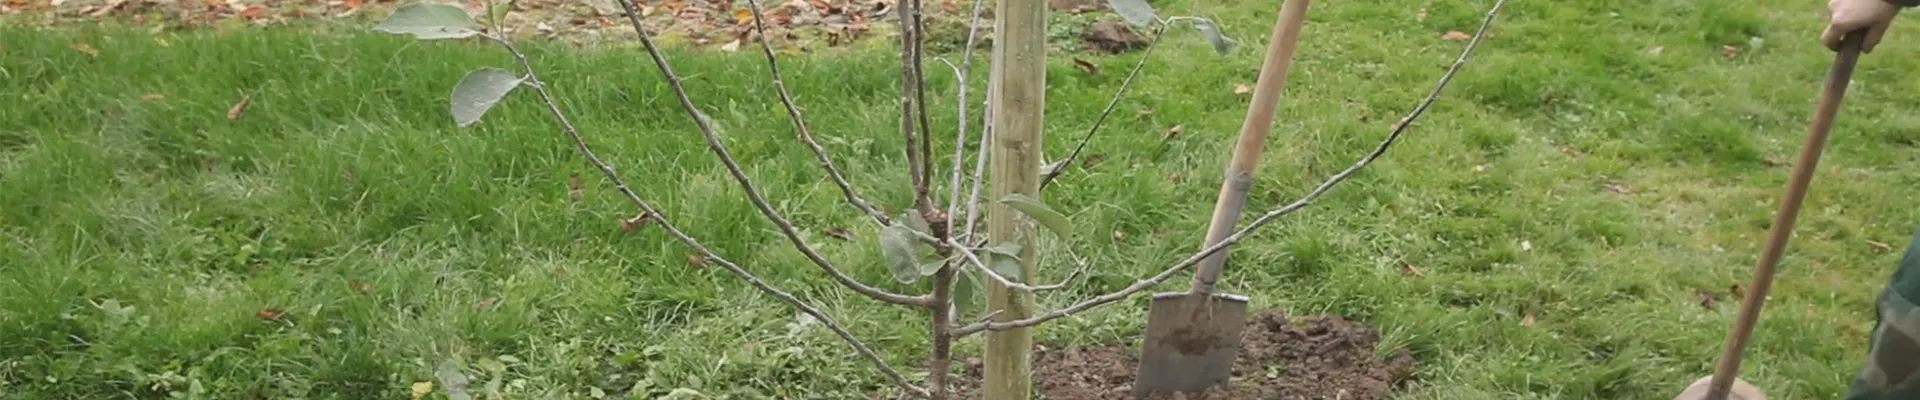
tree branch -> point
(800, 124)
(733, 167)
(1265, 218)
(553, 106)
(1158, 33)
(963, 73)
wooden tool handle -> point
(1253, 139)
(1803, 168)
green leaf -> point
(916, 222)
(896, 242)
(966, 292)
(930, 267)
(1004, 259)
(429, 21)
(1221, 43)
(1137, 12)
(1049, 218)
(479, 91)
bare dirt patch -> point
(1316, 357)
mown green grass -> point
(1568, 173)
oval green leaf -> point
(1221, 43)
(966, 292)
(1004, 259)
(479, 91)
(1048, 218)
(429, 21)
(896, 243)
(1137, 12)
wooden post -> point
(1018, 101)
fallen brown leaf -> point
(730, 47)
(1729, 51)
(1706, 299)
(352, 3)
(1086, 66)
(697, 260)
(152, 96)
(743, 16)
(488, 302)
(1173, 178)
(1455, 35)
(254, 12)
(1409, 269)
(362, 287)
(1619, 187)
(1572, 152)
(1527, 319)
(575, 191)
(1170, 133)
(635, 222)
(1241, 88)
(1879, 245)
(270, 314)
(86, 48)
(1091, 160)
(841, 233)
(239, 107)
(1119, 234)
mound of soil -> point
(1321, 357)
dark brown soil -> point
(1319, 357)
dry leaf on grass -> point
(1729, 51)
(841, 233)
(86, 48)
(1241, 88)
(1527, 320)
(239, 107)
(270, 314)
(1706, 299)
(421, 388)
(1737, 293)
(1085, 65)
(1456, 35)
(1170, 133)
(1879, 245)
(152, 96)
(697, 260)
(1409, 269)
(635, 222)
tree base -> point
(1318, 357)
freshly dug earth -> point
(1322, 357)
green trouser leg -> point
(1892, 369)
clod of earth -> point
(1317, 357)
(1111, 37)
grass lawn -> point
(1595, 168)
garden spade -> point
(1723, 384)
(1193, 337)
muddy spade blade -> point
(1193, 336)
(1191, 342)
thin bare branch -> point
(975, 261)
(964, 72)
(733, 167)
(566, 125)
(980, 165)
(925, 204)
(800, 124)
(908, 92)
(1265, 218)
(1158, 33)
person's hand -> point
(1846, 16)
